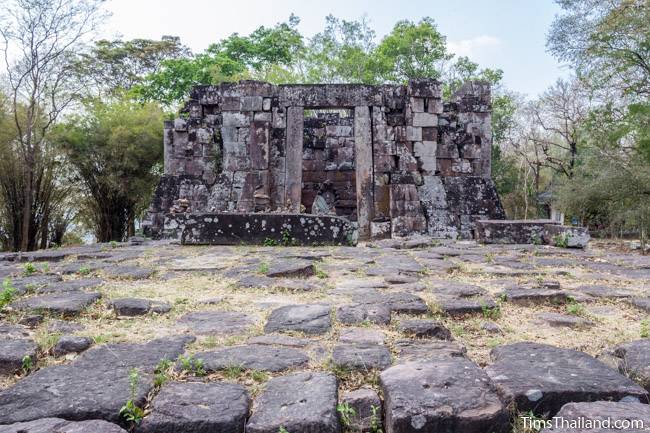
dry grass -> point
(187, 291)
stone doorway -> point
(328, 163)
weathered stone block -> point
(425, 119)
(566, 236)
(413, 133)
(449, 395)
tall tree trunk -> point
(27, 205)
(45, 228)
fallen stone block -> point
(253, 357)
(57, 425)
(198, 408)
(310, 319)
(448, 395)
(566, 236)
(543, 378)
(13, 354)
(601, 417)
(300, 402)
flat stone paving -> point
(414, 334)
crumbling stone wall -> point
(404, 161)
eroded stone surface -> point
(542, 378)
(290, 268)
(532, 296)
(93, 386)
(361, 356)
(448, 395)
(138, 307)
(634, 361)
(66, 304)
(462, 306)
(58, 425)
(397, 302)
(310, 319)
(602, 411)
(425, 328)
(563, 320)
(361, 335)
(409, 350)
(354, 314)
(71, 344)
(216, 322)
(300, 402)
(253, 357)
(198, 408)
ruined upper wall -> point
(239, 147)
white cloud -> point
(473, 46)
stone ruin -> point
(326, 163)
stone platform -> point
(259, 228)
(415, 336)
(504, 231)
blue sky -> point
(507, 34)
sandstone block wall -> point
(395, 159)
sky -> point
(505, 34)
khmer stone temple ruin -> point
(327, 162)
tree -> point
(342, 53)
(113, 66)
(40, 37)
(258, 55)
(556, 120)
(611, 187)
(607, 41)
(116, 151)
(413, 51)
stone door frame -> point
(363, 151)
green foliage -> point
(113, 66)
(233, 371)
(606, 41)
(263, 268)
(493, 313)
(561, 240)
(412, 51)
(161, 372)
(192, 365)
(27, 364)
(282, 430)
(100, 339)
(575, 308)
(610, 185)
(288, 239)
(320, 273)
(29, 269)
(259, 376)
(130, 411)
(114, 148)
(346, 413)
(47, 340)
(84, 270)
(342, 52)
(260, 55)
(375, 419)
(7, 294)
(645, 329)
(268, 242)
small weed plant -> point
(346, 413)
(131, 412)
